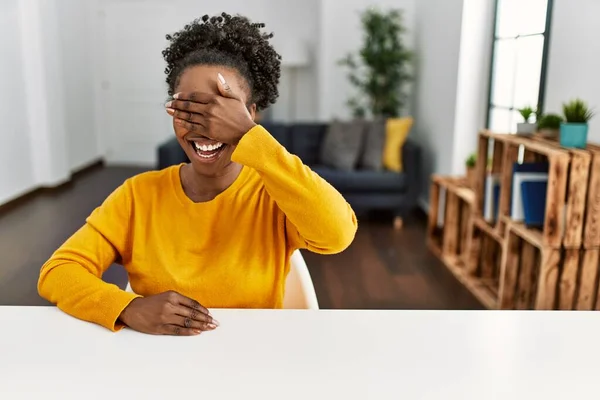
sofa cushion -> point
(342, 144)
(372, 154)
(362, 180)
(397, 130)
(306, 141)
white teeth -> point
(207, 147)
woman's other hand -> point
(168, 313)
(224, 118)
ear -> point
(252, 111)
(225, 89)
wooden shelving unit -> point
(507, 265)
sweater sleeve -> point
(72, 277)
(318, 218)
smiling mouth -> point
(207, 152)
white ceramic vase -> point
(526, 128)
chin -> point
(210, 170)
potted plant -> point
(470, 164)
(527, 127)
(380, 69)
(574, 131)
(549, 125)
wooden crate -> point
(591, 234)
(538, 277)
(452, 242)
(483, 261)
(583, 207)
(529, 270)
(506, 150)
(450, 239)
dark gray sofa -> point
(363, 189)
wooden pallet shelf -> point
(484, 290)
(583, 213)
(545, 278)
(451, 240)
(506, 264)
(505, 155)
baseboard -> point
(87, 166)
(22, 198)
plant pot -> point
(526, 128)
(471, 177)
(549, 133)
(573, 135)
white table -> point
(268, 354)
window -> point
(519, 61)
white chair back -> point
(299, 290)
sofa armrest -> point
(170, 153)
(411, 165)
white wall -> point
(16, 171)
(47, 108)
(473, 79)
(129, 38)
(341, 33)
(44, 91)
(77, 63)
(437, 43)
(574, 58)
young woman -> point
(217, 232)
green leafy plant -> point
(577, 111)
(471, 160)
(380, 70)
(550, 121)
(527, 112)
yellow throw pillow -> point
(396, 132)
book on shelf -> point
(526, 172)
(534, 202)
(529, 187)
(491, 197)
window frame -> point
(544, 67)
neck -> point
(201, 188)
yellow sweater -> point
(231, 252)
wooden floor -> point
(382, 269)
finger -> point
(195, 97)
(187, 116)
(190, 126)
(193, 315)
(179, 299)
(188, 106)
(177, 330)
(225, 89)
(187, 322)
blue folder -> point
(534, 202)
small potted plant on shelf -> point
(527, 127)
(574, 131)
(470, 164)
(549, 125)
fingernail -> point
(176, 96)
(171, 111)
(197, 331)
(222, 79)
(212, 326)
(169, 104)
(179, 122)
(215, 322)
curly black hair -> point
(228, 41)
